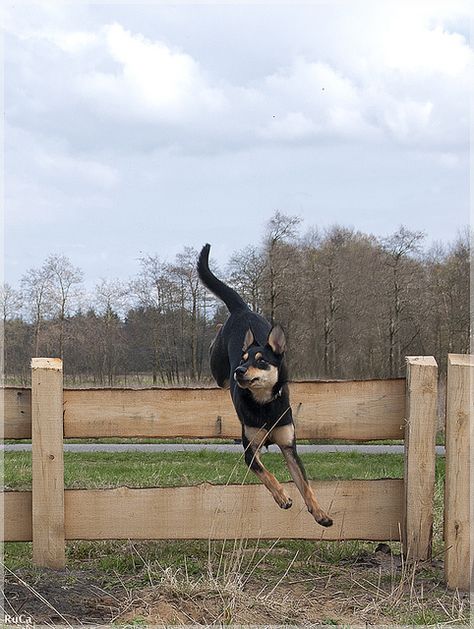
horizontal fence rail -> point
(353, 410)
(362, 509)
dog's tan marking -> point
(258, 355)
(257, 437)
(283, 435)
(274, 487)
(263, 382)
(245, 356)
(305, 489)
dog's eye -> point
(261, 363)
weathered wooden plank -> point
(17, 413)
(361, 509)
(459, 435)
(358, 410)
(47, 462)
(16, 516)
(420, 455)
(149, 413)
(361, 410)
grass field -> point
(234, 582)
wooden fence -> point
(386, 509)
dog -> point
(248, 356)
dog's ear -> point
(248, 340)
(276, 340)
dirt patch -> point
(288, 605)
(372, 588)
(81, 597)
(57, 596)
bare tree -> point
(11, 302)
(246, 273)
(185, 273)
(353, 306)
(280, 228)
(152, 288)
(398, 247)
(63, 289)
(35, 287)
(111, 297)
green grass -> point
(439, 440)
(168, 469)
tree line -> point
(352, 305)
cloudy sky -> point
(142, 128)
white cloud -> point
(403, 78)
(72, 42)
(146, 126)
(408, 120)
(153, 81)
(413, 49)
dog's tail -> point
(232, 300)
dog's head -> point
(259, 368)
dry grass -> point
(238, 582)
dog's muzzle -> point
(242, 379)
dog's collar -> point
(277, 394)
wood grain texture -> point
(47, 462)
(342, 410)
(459, 435)
(16, 516)
(17, 413)
(361, 509)
(356, 410)
(420, 455)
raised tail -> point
(232, 300)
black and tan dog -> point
(248, 355)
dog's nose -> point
(240, 372)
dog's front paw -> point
(325, 521)
(320, 517)
(283, 501)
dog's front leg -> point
(252, 458)
(284, 437)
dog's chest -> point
(268, 416)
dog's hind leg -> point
(252, 440)
(284, 437)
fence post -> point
(47, 462)
(420, 455)
(459, 433)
